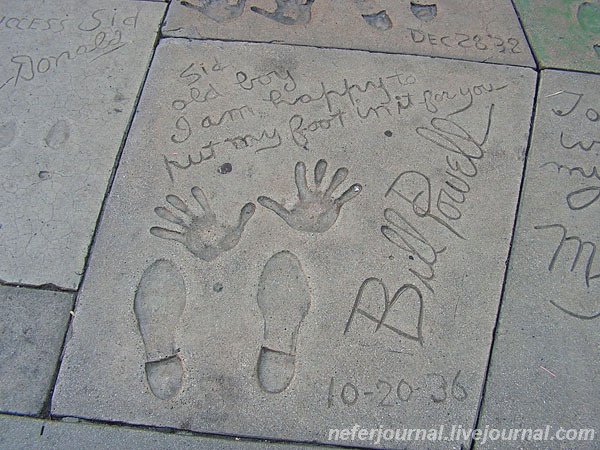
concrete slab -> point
(545, 364)
(32, 332)
(564, 34)
(19, 432)
(301, 240)
(473, 30)
(70, 75)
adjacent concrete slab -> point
(564, 34)
(70, 75)
(18, 433)
(301, 240)
(32, 331)
(546, 361)
(475, 30)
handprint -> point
(201, 235)
(219, 10)
(288, 12)
(316, 210)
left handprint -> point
(201, 235)
(220, 11)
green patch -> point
(588, 16)
(562, 33)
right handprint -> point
(316, 210)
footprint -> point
(588, 16)
(288, 12)
(58, 135)
(220, 11)
(424, 12)
(158, 306)
(284, 299)
(380, 20)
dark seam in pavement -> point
(507, 263)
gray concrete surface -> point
(70, 76)
(353, 186)
(312, 233)
(19, 433)
(474, 30)
(32, 330)
(564, 34)
(544, 369)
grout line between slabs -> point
(527, 38)
(46, 412)
(373, 52)
(507, 264)
(176, 432)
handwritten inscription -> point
(582, 198)
(289, 84)
(204, 154)
(387, 316)
(231, 115)
(97, 19)
(464, 152)
(574, 253)
(299, 128)
(385, 97)
(376, 98)
(480, 42)
(569, 104)
(592, 172)
(432, 100)
(442, 206)
(184, 127)
(580, 248)
(27, 67)
(577, 145)
(196, 72)
(387, 393)
(400, 232)
(52, 24)
(258, 142)
(103, 31)
(197, 96)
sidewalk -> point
(293, 224)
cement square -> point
(564, 34)
(545, 364)
(32, 332)
(300, 240)
(19, 432)
(475, 30)
(69, 79)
